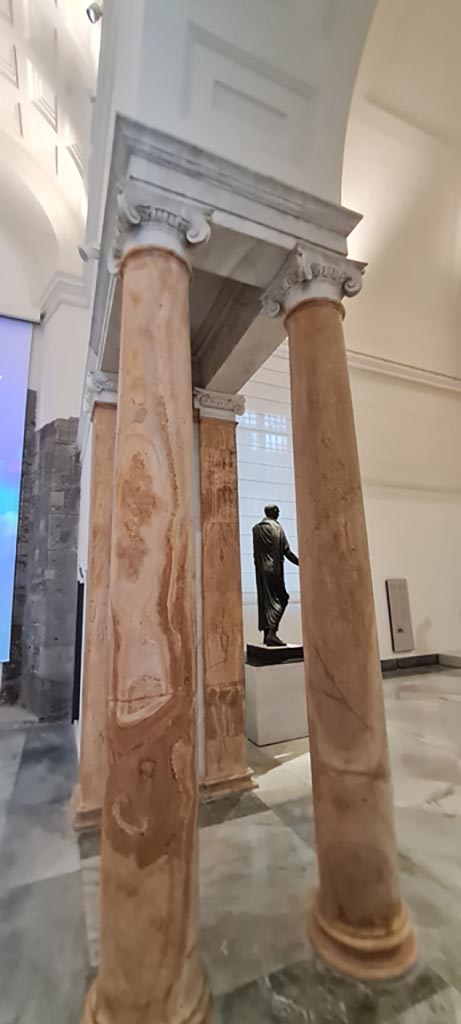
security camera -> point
(88, 252)
(94, 13)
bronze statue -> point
(270, 548)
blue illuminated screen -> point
(15, 336)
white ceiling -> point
(48, 61)
(411, 65)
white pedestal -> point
(275, 703)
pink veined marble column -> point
(88, 794)
(224, 734)
(150, 970)
(357, 921)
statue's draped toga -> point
(270, 548)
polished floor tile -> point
(308, 993)
(229, 808)
(48, 766)
(282, 783)
(257, 863)
(43, 961)
(38, 842)
(298, 815)
(11, 745)
(254, 878)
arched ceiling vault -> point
(48, 60)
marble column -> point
(224, 737)
(357, 921)
(150, 970)
(88, 794)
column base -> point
(364, 955)
(202, 1013)
(84, 816)
(210, 789)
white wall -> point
(63, 341)
(15, 295)
(408, 435)
(407, 185)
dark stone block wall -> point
(13, 669)
(51, 579)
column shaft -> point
(88, 795)
(357, 920)
(149, 965)
(226, 768)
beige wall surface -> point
(408, 435)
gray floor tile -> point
(308, 993)
(38, 842)
(297, 814)
(228, 808)
(254, 877)
(11, 745)
(43, 953)
(48, 767)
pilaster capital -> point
(148, 217)
(100, 388)
(217, 405)
(311, 273)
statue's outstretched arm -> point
(289, 554)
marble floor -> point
(257, 861)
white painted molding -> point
(147, 217)
(367, 363)
(100, 387)
(310, 273)
(30, 316)
(217, 405)
(63, 290)
(402, 371)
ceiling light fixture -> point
(94, 13)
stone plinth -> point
(260, 654)
(275, 702)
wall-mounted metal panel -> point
(400, 615)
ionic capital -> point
(218, 405)
(312, 273)
(149, 218)
(100, 388)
